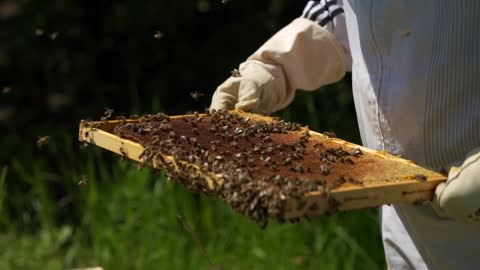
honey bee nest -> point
(259, 164)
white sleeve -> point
(330, 15)
(311, 51)
(308, 55)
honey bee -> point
(298, 168)
(235, 73)
(6, 90)
(317, 145)
(337, 183)
(53, 35)
(108, 112)
(39, 32)
(330, 134)
(196, 95)
(354, 181)
(325, 169)
(287, 161)
(123, 151)
(192, 140)
(420, 177)
(83, 145)
(266, 159)
(83, 180)
(267, 139)
(357, 152)
(41, 141)
(347, 160)
(158, 35)
(306, 132)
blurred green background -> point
(63, 61)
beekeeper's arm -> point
(309, 52)
(459, 197)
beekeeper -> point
(416, 84)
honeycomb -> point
(258, 162)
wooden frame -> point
(371, 194)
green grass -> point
(127, 219)
(130, 222)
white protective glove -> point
(459, 197)
(258, 88)
(303, 55)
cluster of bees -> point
(260, 163)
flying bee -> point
(196, 95)
(83, 145)
(41, 141)
(123, 151)
(158, 35)
(108, 112)
(53, 35)
(6, 90)
(83, 180)
(39, 32)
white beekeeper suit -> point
(416, 85)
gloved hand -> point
(258, 87)
(459, 197)
(303, 55)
